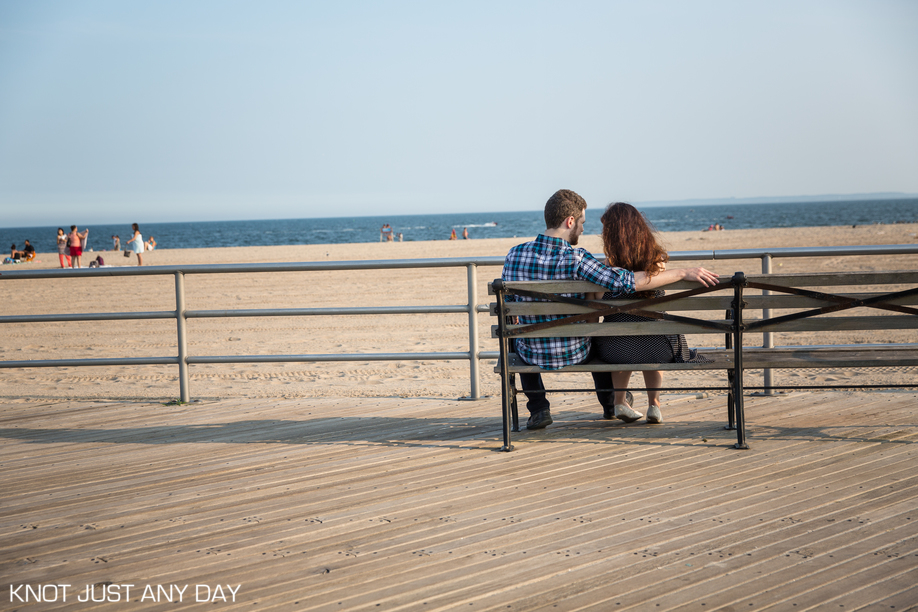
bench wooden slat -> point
(754, 358)
(697, 303)
(650, 328)
(645, 328)
(841, 323)
(816, 279)
(720, 360)
(888, 277)
(578, 286)
(802, 357)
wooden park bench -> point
(797, 303)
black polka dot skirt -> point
(665, 348)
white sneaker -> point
(625, 413)
(654, 415)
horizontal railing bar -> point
(98, 316)
(450, 262)
(249, 268)
(305, 312)
(265, 312)
(60, 363)
(200, 359)
(826, 251)
(54, 363)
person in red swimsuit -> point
(76, 246)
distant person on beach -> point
(465, 233)
(116, 243)
(14, 254)
(552, 255)
(629, 242)
(150, 244)
(28, 251)
(75, 240)
(452, 235)
(385, 233)
(62, 248)
(136, 243)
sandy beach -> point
(316, 335)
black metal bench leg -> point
(731, 404)
(739, 281)
(507, 397)
(513, 403)
(731, 401)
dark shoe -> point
(608, 412)
(539, 420)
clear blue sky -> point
(114, 111)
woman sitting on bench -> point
(629, 242)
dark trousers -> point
(534, 389)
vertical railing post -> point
(767, 338)
(180, 325)
(474, 361)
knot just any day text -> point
(109, 592)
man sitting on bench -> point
(553, 256)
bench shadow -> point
(480, 433)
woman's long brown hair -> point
(628, 240)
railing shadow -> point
(480, 433)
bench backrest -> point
(798, 302)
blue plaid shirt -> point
(547, 258)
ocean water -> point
(339, 230)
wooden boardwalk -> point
(405, 504)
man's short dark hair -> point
(563, 204)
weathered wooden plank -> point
(580, 286)
(697, 303)
(719, 360)
(804, 279)
(814, 324)
(818, 279)
(828, 358)
(613, 329)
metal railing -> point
(472, 308)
